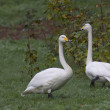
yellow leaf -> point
(109, 26)
(64, 16)
(71, 10)
(59, 1)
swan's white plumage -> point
(51, 79)
(100, 69)
(94, 68)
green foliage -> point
(30, 54)
(30, 60)
(69, 18)
(49, 60)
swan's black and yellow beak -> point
(82, 28)
(67, 40)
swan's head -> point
(86, 27)
(63, 38)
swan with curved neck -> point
(51, 79)
(96, 71)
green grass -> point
(75, 95)
(13, 12)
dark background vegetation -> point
(29, 30)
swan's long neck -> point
(89, 54)
(62, 59)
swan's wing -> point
(100, 69)
(43, 77)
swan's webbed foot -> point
(92, 84)
(50, 96)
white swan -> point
(96, 71)
(51, 79)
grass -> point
(75, 95)
(13, 11)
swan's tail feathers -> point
(27, 91)
(108, 78)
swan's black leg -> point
(50, 95)
(93, 81)
(103, 84)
